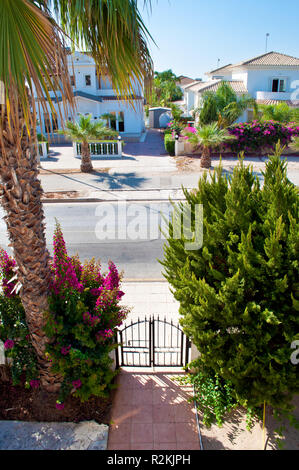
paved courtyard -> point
(151, 412)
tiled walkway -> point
(151, 412)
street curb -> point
(71, 201)
(144, 280)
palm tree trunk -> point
(205, 161)
(86, 165)
(21, 200)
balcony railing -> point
(271, 95)
(108, 148)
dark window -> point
(121, 122)
(47, 123)
(54, 123)
(282, 86)
(87, 80)
(72, 80)
(275, 84)
(113, 121)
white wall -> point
(261, 80)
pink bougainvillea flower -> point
(77, 383)
(34, 383)
(9, 344)
(59, 405)
(65, 350)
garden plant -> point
(238, 294)
(85, 131)
(80, 324)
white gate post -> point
(179, 147)
(119, 146)
(75, 149)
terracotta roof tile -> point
(237, 85)
(292, 104)
(273, 59)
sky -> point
(192, 35)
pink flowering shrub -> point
(258, 136)
(84, 313)
(13, 327)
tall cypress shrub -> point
(238, 294)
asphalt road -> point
(128, 234)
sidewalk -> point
(150, 411)
(150, 298)
(140, 156)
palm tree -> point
(235, 109)
(208, 137)
(33, 57)
(106, 117)
(277, 112)
(85, 131)
(224, 105)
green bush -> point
(169, 143)
(13, 327)
(83, 315)
(239, 294)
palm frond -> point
(114, 34)
(87, 130)
(32, 57)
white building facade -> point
(271, 78)
(96, 97)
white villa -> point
(96, 97)
(270, 78)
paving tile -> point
(165, 395)
(143, 382)
(122, 397)
(164, 432)
(186, 432)
(166, 446)
(120, 434)
(141, 433)
(142, 446)
(188, 446)
(119, 446)
(142, 414)
(122, 414)
(163, 413)
(142, 397)
(184, 413)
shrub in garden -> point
(83, 314)
(169, 143)
(239, 294)
(13, 328)
(255, 136)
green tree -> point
(277, 112)
(33, 56)
(165, 89)
(208, 137)
(238, 294)
(224, 106)
(85, 131)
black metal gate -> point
(152, 342)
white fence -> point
(105, 148)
